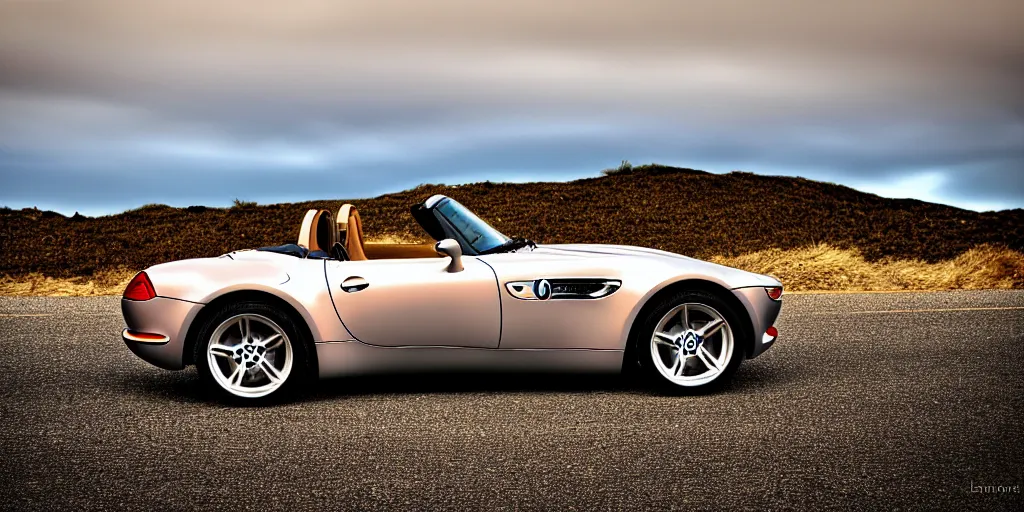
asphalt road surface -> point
(894, 401)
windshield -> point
(479, 234)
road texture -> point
(894, 401)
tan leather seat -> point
(350, 232)
(317, 231)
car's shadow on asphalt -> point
(468, 382)
(749, 377)
(185, 386)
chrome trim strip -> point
(521, 289)
(610, 286)
(433, 200)
(526, 290)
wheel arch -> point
(212, 307)
(630, 354)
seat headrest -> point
(343, 215)
(350, 232)
(317, 231)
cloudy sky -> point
(107, 105)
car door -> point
(416, 302)
(537, 315)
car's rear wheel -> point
(691, 342)
(250, 352)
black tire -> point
(642, 343)
(303, 367)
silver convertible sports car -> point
(260, 323)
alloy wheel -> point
(249, 355)
(692, 344)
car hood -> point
(684, 265)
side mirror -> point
(449, 247)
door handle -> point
(354, 284)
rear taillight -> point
(140, 288)
(775, 293)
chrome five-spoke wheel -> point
(692, 344)
(249, 355)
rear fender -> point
(301, 283)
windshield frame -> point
(480, 236)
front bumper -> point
(168, 319)
(763, 311)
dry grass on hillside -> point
(824, 267)
(107, 282)
(818, 268)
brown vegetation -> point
(679, 210)
(824, 267)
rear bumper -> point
(168, 320)
(763, 311)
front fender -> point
(660, 287)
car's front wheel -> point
(251, 352)
(691, 342)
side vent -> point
(563, 289)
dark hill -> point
(680, 210)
